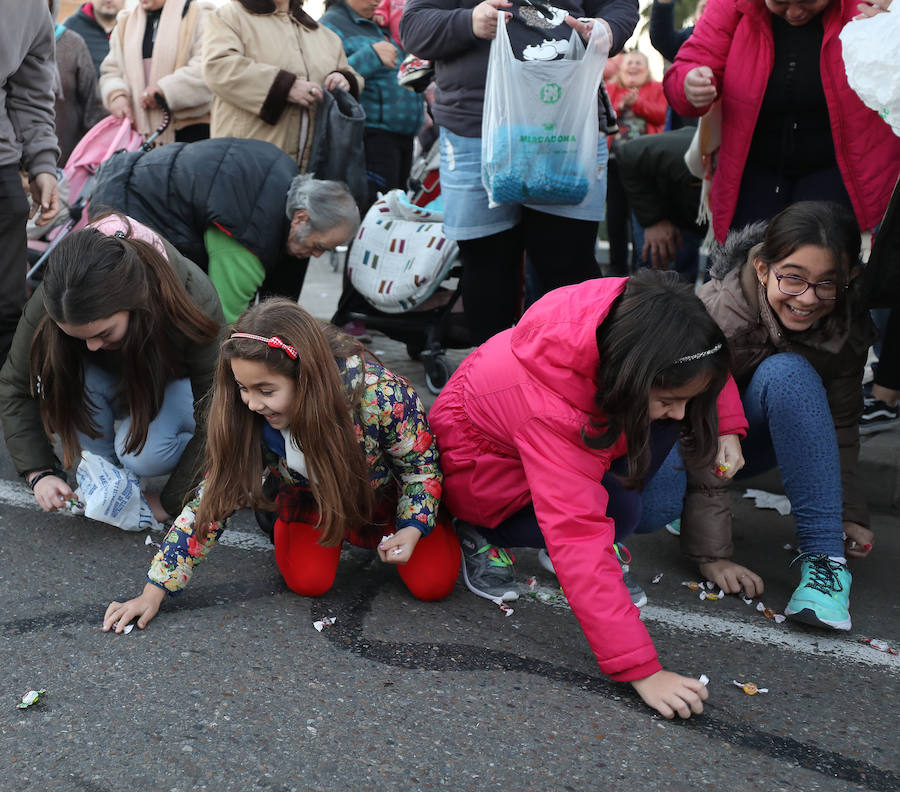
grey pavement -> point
(231, 687)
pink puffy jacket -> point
(509, 423)
(734, 39)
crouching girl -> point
(548, 431)
(350, 444)
(799, 336)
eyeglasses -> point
(794, 286)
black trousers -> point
(561, 252)
(13, 216)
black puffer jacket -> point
(181, 189)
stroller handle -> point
(147, 145)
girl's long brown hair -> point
(656, 321)
(92, 276)
(322, 423)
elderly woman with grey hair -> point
(236, 207)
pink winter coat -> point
(508, 424)
(734, 39)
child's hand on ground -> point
(859, 540)
(51, 493)
(730, 458)
(398, 549)
(669, 693)
(732, 578)
(144, 608)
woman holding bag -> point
(457, 35)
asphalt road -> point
(231, 688)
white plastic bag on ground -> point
(112, 494)
(872, 60)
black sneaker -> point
(877, 415)
(487, 569)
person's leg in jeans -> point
(547, 236)
(13, 216)
(101, 388)
(167, 435)
(787, 408)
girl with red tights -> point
(348, 441)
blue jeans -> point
(624, 507)
(791, 428)
(167, 436)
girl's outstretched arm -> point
(670, 693)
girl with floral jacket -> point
(348, 441)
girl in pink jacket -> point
(548, 430)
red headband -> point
(275, 342)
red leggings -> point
(309, 569)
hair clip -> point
(275, 342)
(698, 355)
(120, 234)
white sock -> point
(838, 559)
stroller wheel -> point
(437, 371)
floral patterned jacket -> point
(400, 450)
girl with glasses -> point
(784, 296)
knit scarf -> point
(162, 63)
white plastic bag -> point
(112, 494)
(400, 254)
(872, 59)
(540, 125)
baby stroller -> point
(408, 272)
(100, 142)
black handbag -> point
(338, 149)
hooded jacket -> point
(509, 423)
(734, 38)
(182, 189)
(252, 55)
(837, 348)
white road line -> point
(759, 631)
(18, 494)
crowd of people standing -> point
(611, 405)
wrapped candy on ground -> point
(750, 688)
(31, 697)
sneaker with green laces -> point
(823, 597)
(487, 569)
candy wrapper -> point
(881, 646)
(656, 578)
(722, 468)
(503, 606)
(395, 550)
(769, 613)
(531, 583)
(31, 697)
(750, 688)
(769, 500)
(325, 621)
(703, 679)
(693, 585)
(709, 595)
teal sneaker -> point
(823, 597)
(674, 527)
